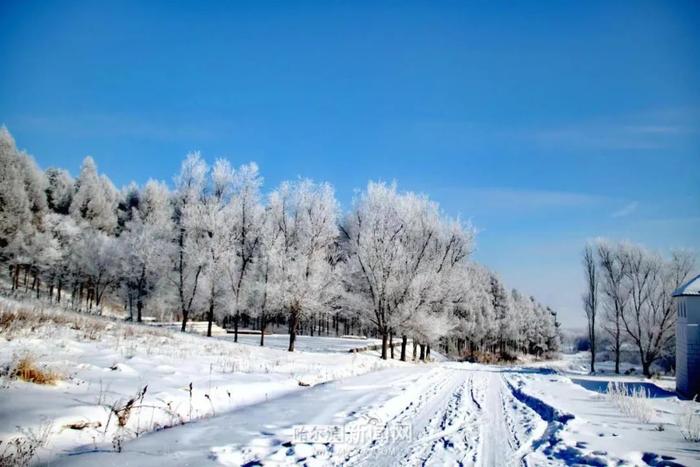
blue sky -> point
(544, 123)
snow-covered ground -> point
(307, 343)
(438, 414)
(247, 407)
(103, 364)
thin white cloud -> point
(530, 199)
(632, 132)
(626, 210)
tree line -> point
(629, 298)
(213, 246)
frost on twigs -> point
(21, 449)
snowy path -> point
(416, 415)
(508, 426)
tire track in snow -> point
(470, 417)
(385, 449)
(459, 416)
(508, 425)
(451, 437)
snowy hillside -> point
(239, 404)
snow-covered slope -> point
(104, 364)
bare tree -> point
(650, 319)
(590, 298)
(616, 295)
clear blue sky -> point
(545, 123)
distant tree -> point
(209, 222)
(95, 199)
(245, 216)
(15, 207)
(98, 262)
(59, 192)
(650, 317)
(215, 245)
(615, 293)
(145, 246)
(187, 258)
(305, 215)
(401, 253)
(590, 297)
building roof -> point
(692, 287)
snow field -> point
(104, 364)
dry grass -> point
(27, 370)
(632, 402)
(20, 450)
(491, 358)
(20, 319)
(689, 422)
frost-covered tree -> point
(23, 242)
(477, 323)
(399, 270)
(145, 246)
(188, 261)
(94, 201)
(97, 260)
(650, 317)
(505, 326)
(59, 192)
(209, 224)
(304, 214)
(263, 297)
(64, 236)
(399, 255)
(127, 205)
(245, 218)
(15, 207)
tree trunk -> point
(183, 328)
(263, 325)
(415, 349)
(422, 352)
(293, 324)
(139, 309)
(210, 316)
(427, 352)
(404, 341)
(617, 349)
(385, 339)
(391, 344)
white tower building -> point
(688, 338)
